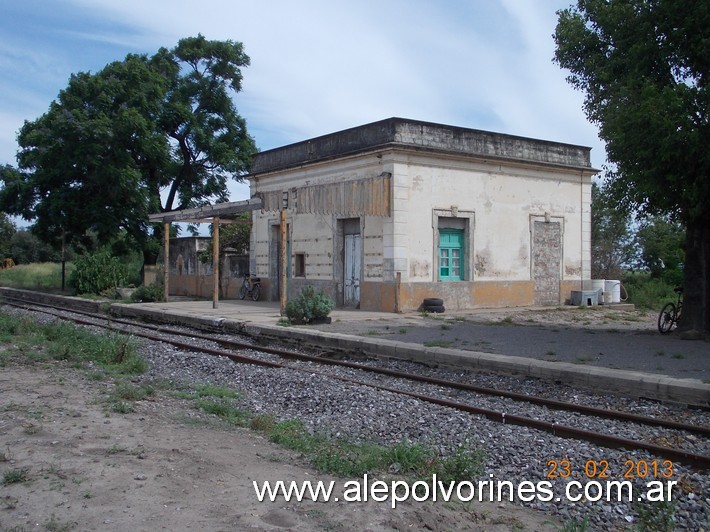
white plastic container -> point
(599, 284)
(612, 291)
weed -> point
(283, 322)
(659, 516)
(115, 449)
(9, 503)
(678, 356)
(222, 409)
(465, 464)
(507, 320)
(31, 428)
(15, 476)
(438, 343)
(77, 345)
(347, 459)
(403, 330)
(445, 326)
(122, 407)
(373, 332)
(54, 525)
(129, 392)
(576, 526)
(581, 360)
(211, 390)
(262, 423)
(551, 354)
(660, 353)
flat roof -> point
(421, 136)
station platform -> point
(612, 359)
(587, 349)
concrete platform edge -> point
(634, 383)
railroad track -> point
(229, 346)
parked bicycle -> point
(670, 314)
(251, 286)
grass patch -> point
(403, 330)
(15, 476)
(218, 401)
(348, 459)
(438, 343)
(39, 276)
(122, 407)
(114, 353)
(129, 392)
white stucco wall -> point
(503, 198)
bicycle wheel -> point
(242, 292)
(666, 318)
(255, 293)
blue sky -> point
(317, 66)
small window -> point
(300, 266)
(451, 254)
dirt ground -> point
(167, 466)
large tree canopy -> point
(643, 66)
(114, 141)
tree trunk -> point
(696, 294)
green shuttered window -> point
(451, 254)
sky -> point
(317, 66)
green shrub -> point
(308, 305)
(647, 292)
(97, 272)
(148, 294)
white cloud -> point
(318, 66)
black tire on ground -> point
(433, 302)
(434, 308)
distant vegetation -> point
(45, 276)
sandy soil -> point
(167, 466)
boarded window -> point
(300, 265)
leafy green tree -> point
(7, 229)
(612, 241)
(113, 141)
(643, 66)
(662, 254)
(26, 248)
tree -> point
(100, 158)
(612, 242)
(661, 244)
(7, 229)
(643, 66)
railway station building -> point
(384, 215)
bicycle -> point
(251, 286)
(670, 314)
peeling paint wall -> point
(498, 203)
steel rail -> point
(554, 404)
(564, 431)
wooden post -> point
(397, 288)
(215, 262)
(166, 254)
(282, 281)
